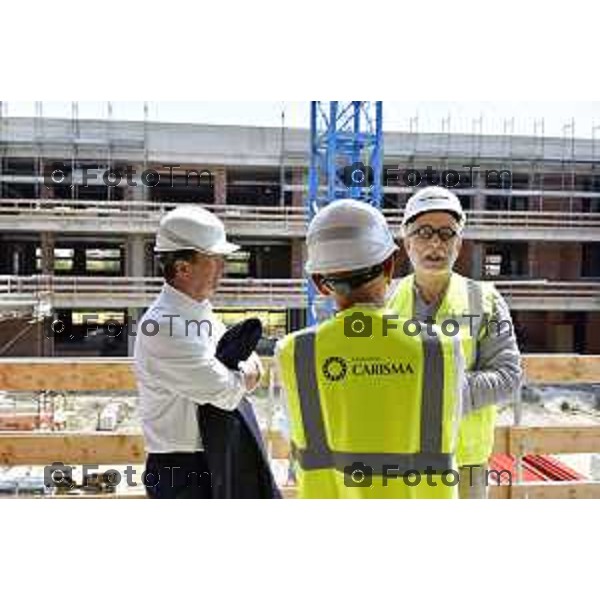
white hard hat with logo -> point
(348, 235)
(433, 198)
(192, 228)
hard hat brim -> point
(222, 249)
(459, 217)
(315, 267)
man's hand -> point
(252, 370)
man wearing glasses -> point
(433, 230)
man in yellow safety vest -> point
(374, 402)
(432, 229)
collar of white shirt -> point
(187, 305)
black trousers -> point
(177, 475)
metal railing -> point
(286, 219)
(140, 291)
(248, 292)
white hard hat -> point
(192, 228)
(347, 235)
(433, 198)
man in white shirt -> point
(174, 355)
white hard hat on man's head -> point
(347, 235)
(430, 199)
(192, 228)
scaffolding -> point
(538, 165)
(2, 147)
(508, 158)
(594, 181)
(568, 155)
(447, 141)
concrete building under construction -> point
(80, 201)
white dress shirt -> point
(176, 370)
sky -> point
(463, 117)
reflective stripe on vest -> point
(475, 306)
(475, 293)
(318, 455)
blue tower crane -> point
(346, 161)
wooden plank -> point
(554, 440)
(136, 496)
(559, 490)
(117, 375)
(72, 449)
(547, 439)
(500, 492)
(534, 491)
(288, 493)
(65, 374)
(561, 368)
(501, 444)
(111, 448)
(542, 491)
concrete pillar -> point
(298, 259)
(592, 333)
(5, 257)
(46, 192)
(149, 262)
(47, 239)
(29, 259)
(560, 336)
(134, 315)
(475, 269)
(17, 260)
(298, 245)
(571, 261)
(535, 202)
(298, 180)
(135, 256)
(477, 260)
(139, 192)
(46, 341)
(297, 318)
(79, 260)
(531, 259)
(220, 185)
(135, 266)
(479, 202)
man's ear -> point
(320, 285)
(459, 245)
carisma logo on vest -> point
(375, 367)
(336, 368)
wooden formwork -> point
(117, 449)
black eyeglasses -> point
(426, 232)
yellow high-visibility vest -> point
(471, 304)
(373, 414)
